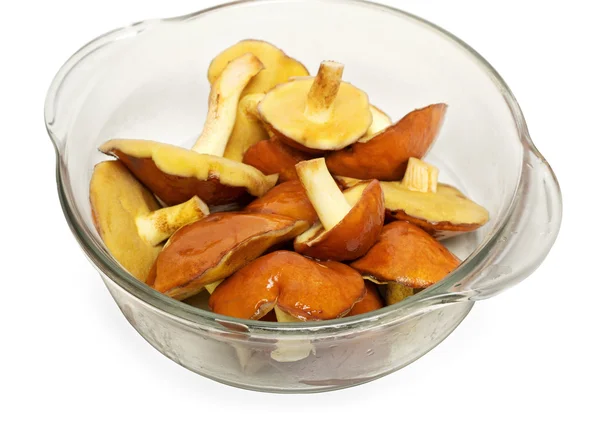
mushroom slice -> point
(175, 174)
(286, 199)
(381, 121)
(279, 67)
(215, 247)
(319, 114)
(407, 255)
(299, 287)
(371, 302)
(385, 156)
(345, 232)
(117, 199)
(443, 213)
(157, 226)
(274, 157)
(248, 128)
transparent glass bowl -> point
(148, 81)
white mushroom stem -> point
(420, 176)
(222, 104)
(324, 194)
(159, 225)
(322, 93)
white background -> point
(523, 362)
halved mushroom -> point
(274, 157)
(248, 129)
(440, 209)
(175, 174)
(381, 121)
(407, 255)
(345, 232)
(317, 115)
(299, 287)
(157, 226)
(385, 156)
(117, 199)
(215, 247)
(279, 67)
(286, 199)
(371, 302)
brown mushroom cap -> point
(117, 199)
(300, 287)
(175, 174)
(353, 236)
(385, 156)
(215, 247)
(408, 255)
(274, 157)
(279, 67)
(371, 302)
(443, 213)
(286, 199)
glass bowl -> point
(148, 81)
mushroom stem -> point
(282, 316)
(159, 225)
(396, 292)
(420, 176)
(222, 104)
(212, 286)
(324, 194)
(322, 93)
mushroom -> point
(213, 248)
(385, 156)
(279, 67)
(407, 255)
(248, 128)
(317, 114)
(439, 209)
(274, 157)
(286, 199)
(345, 231)
(381, 121)
(395, 292)
(299, 287)
(117, 199)
(157, 226)
(371, 302)
(175, 174)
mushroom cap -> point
(279, 67)
(175, 174)
(215, 247)
(408, 255)
(444, 213)
(117, 198)
(381, 121)
(286, 199)
(353, 236)
(371, 302)
(274, 157)
(303, 288)
(385, 156)
(283, 107)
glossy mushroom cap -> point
(274, 157)
(371, 302)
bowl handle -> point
(523, 243)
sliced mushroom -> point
(381, 121)
(248, 129)
(279, 67)
(407, 255)
(215, 247)
(385, 156)
(176, 175)
(286, 199)
(371, 302)
(444, 213)
(274, 157)
(345, 232)
(297, 286)
(117, 199)
(317, 115)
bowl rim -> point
(196, 317)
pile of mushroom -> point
(332, 211)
